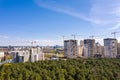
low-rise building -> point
(1, 56)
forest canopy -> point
(72, 69)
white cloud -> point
(52, 5)
(105, 13)
(48, 42)
(4, 37)
(26, 42)
(115, 27)
(117, 11)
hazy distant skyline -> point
(48, 20)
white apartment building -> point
(36, 54)
(31, 54)
(98, 48)
(81, 49)
(20, 56)
(1, 55)
(110, 48)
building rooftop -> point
(110, 39)
(69, 40)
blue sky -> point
(25, 20)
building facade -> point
(118, 49)
(1, 56)
(110, 48)
(36, 54)
(98, 48)
(89, 47)
(70, 49)
(81, 49)
(32, 55)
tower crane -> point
(74, 36)
(63, 37)
(31, 42)
(96, 36)
(92, 36)
(114, 33)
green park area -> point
(71, 69)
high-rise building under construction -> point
(70, 49)
(110, 47)
(89, 45)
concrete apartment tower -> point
(81, 49)
(110, 48)
(98, 48)
(36, 54)
(70, 49)
(89, 46)
(118, 50)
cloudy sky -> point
(22, 21)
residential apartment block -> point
(71, 48)
(110, 47)
(89, 47)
